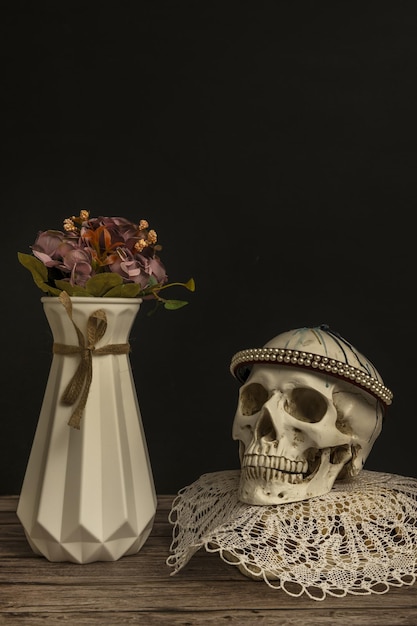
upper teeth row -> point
(276, 462)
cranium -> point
(309, 412)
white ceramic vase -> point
(88, 492)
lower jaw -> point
(257, 491)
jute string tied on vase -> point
(79, 385)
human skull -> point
(309, 412)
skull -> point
(309, 412)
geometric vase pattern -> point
(88, 492)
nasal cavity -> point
(265, 428)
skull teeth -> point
(279, 463)
(269, 473)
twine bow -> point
(79, 385)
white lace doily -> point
(360, 538)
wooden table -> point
(140, 589)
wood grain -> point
(140, 589)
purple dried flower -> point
(101, 245)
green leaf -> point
(52, 291)
(152, 281)
(128, 290)
(190, 285)
(172, 305)
(36, 268)
(72, 290)
(100, 284)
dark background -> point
(271, 145)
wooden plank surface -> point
(140, 589)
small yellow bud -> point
(152, 237)
(140, 245)
(143, 225)
(84, 215)
(69, 225)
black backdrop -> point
(272, 146)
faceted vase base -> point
(86, 550)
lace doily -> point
(360, 538)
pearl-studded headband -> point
(243, 361)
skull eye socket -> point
(252, 398)
(306, 405)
